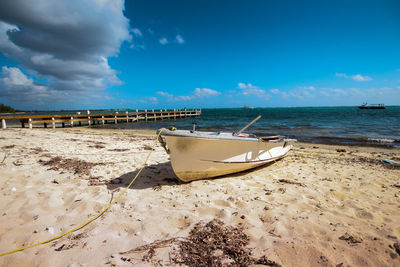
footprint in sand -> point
(364, 214)
(222, 203)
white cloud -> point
(174, 98)
(179, 39)
(339, 96)
(275, 91)
(252, 90)
(137, 32)
(163, 41)
(137, 46)
(361, 78)
(302, 92)
(148, 100)
(205, 92)
(196, 94)
(356, 77)
(65, 42)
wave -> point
(381, 140)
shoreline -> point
(367, 142)
(150, 131)
(319, 206)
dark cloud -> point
(24, 92)
(65, 42)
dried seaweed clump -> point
(77, 166)
(215, 244)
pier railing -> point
(92, 119)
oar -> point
(247, 126)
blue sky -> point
(174, 54)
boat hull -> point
(361, 107)
(195, 158)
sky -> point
(97, 54)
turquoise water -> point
(335, 125)
(332, 125)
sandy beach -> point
(322, 205)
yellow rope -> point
(94, 217)
(269, 152)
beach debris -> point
(8, 147)
(268, 192)
(157, 188)
(96, 180)
(282, 190)
(208, 244)
(77, 236)
(147, 147)
(98, 146)
(351, 238)
(392, 162)
(65, 247)
(4, 158)
(397, 247)
(215, 244)
(340, 150)
(119, 149)
(13, 189)
(78, 166)
(286, 181)
(37, 150)
(370, 161)
(393, 255)
(18, 162)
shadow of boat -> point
(152, 176)
(162, 174)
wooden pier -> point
(92, 119)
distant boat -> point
(247, 107)
(372, 106)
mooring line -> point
(94, 217)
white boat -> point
(197, 155)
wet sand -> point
(322, 205)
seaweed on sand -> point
(212, 244)
(77, 166)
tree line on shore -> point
(6, 109)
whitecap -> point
(381, 140)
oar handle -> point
(247, 126)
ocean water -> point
(330, 125)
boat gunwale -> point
(219, 138)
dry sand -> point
(316, 207)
